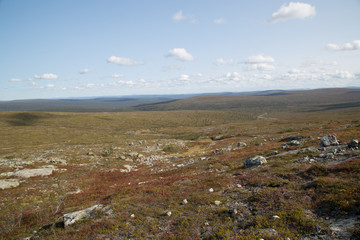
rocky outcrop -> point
(28, 173)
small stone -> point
(211, 190)
(241, 144)
(294, 143)
(330, 156)
(90, 153)
(168, 213)
(238, 185)
(132, 215)
(206, 224)
(183, 202)
(275, 153)
(232, 211)
(217, 203)
(275, 217)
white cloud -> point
(115, 75)
(50, 86)
(46, 76)
(219, 21)
(343, 74)
(184, 77)
(347, 46)
(181, 54)
(83, 71)
(15, 80)
(221, 61)
(123, 61)
(260, 67)
(197, 75)
(259, 59)
(259, 63)
(292, 11)
(179, 16)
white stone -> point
(217, 203)
(9, 183)
(211, 190)
(71, 218)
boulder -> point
(329, 140)
(255, 161)
(354, 144)
(71, 218)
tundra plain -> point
(175, 169)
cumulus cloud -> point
(221, 61)
(50, 86)
(179, 16)
(181, 54)
(46, 76)
(292, 11)
(259, 59)
(115, 75)
(123, 61)
(83, 71)
(219, 21)
(355, 45)
(15, 80)
(260, 63)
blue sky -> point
(67, 48)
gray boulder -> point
(255, 161)
(73, 217)
(241, 144)
(354, 144)
(329, 140)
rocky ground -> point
(297, 185)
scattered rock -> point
(241, 144)
(354, 144)
(168, 213)
(73, 217)
(90, 154)
(329, 140)
(211, 190)
(217, 203)
(232, 211)
(294, 143)
(184, 202)
(132, 215)
(330, 156)
(275, 217)
(275, 153)
(255, 161)
(291, 138)
(218, 137)
(9, 183)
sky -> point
(83, 48)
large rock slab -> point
(329, 140)
(73, 217)
(28, 173)
(255, 161)
(9, 183)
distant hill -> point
(301, 100)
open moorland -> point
(284, 165)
